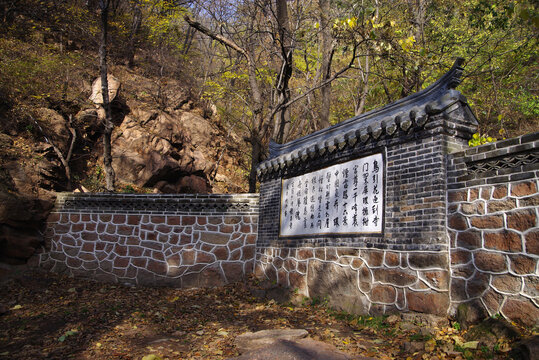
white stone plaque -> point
(345, 198)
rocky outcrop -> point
(21, 219)
(164, 150)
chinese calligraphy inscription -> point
(345, 198)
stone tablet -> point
(345, 198)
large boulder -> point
(164, 150)
(97, 95)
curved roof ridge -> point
(432, 94)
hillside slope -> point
(165, 140)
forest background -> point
(255, 69)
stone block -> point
(470, 239)
(214, 238)
(428, 302)
(428, 260)
(500, 191)
(125, 230)
(174, 220)
(211, 276)
(121, 262)
(503, 241)
(73, 262)
(437, 279)
(455, 196)
(298, 281)
(104, 218)
(463, 271)
(458, 289)
(532, 242)
(235, 255)
(506, 283)
(158, 219)
(524, 188)
(302, 267)
(457, 222)
(522, 220)
(250, 239)
(460, 257)
(374, 258)
(473, 195)
(227, 229)
(232, 220)
(248, 252)
(233, 271)
(395, 277)
(119, 219)
(490, 261)
(522, 311)
(139, 262)
(157, 267)
(383, 294)
(392, 259)
(304, 254)
(531, 286)
(215, 220)
(522, 264)
(529, 201)
(221, 252)
(487, 222)
(164, 229)
(492, 301)
(77, 227)
(204, 258)
(486, 192)
(338, 284)
(501, 205)
(188, 257)
(133, 219)
(477, 284)
(475, 208)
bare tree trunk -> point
(137, 21)
(360, 105)
(326, 50)
(285, 71)
(107, 152)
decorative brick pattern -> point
(493, 223)
(128, 246)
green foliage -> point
(479, 139)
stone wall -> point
(174, 240)
(493, 223)
(406, 266)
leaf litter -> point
(54, 316)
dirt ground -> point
(51, 316)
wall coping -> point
(196, 204)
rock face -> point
(163, 150)
(20, 221)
